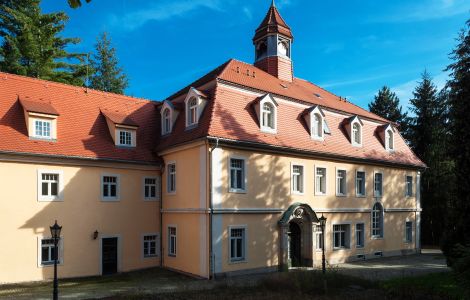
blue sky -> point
(351, 48)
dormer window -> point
(166, 121)
(125, 138)
(267, 120)
(195, 102)
(356, 133)
(315, 119)
(266, 109)
(386, 133)
(389, 139)
(42, 129)
(122, 128)
(317, 126)
(354, 129)
(41, 119)
(192, 111)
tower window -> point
(261, 50)
(283, 48)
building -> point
(229, 175)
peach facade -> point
(25, 218)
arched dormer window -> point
(166, 121)
(389, 139)
(356, 134)
(267, 113)
(192, 111)
(377, 220)
(317, 126)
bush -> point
(461, 266)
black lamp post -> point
(322, 220)
(55, 232)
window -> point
(341, 236)
(150, 245)
(125, 138)
(409, 186)
(378, 178)
(360, 183)
(267, 116)
(377, 221)
(150, 188)
(42, 129)
(360, 235)
(50, 185)
(110, 187)
(320, 181)
(297, 179)
(389, 139)
(166, 121)
(237, 175)
(318, 237)
(408, 232)
(317, 126)
(48, 253)
(237, 244)
(171, 178)
(192, 111)
(341, 182)
(356, 133)
(172, 241)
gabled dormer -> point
(354, 128)
(316, 122)
(122, 128)
(41, 119)
(168, 117)
(387, 135)
(266, 110)
(194, 104)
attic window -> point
(42, 129)
(317, 126)
(192, 111)
(166, 121)
(356, 133)
(267, 116)
(389, 139)
(125, 138)
(41, 119)
(195, 102)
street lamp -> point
(55, 233)
(322, 220)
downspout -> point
(418, 210)
(211, 246)
(161, 214)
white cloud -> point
(426, 10)
(247, 12)
(163, 10)
(353, 81)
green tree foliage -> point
(107, 75)
(429, 138)
(76, 3)
(32, 45)
(458, 229)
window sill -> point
(377, 238)
(267, 130)
(191, 127)
(128, 147)
(341, 195)
(171, 255)
(110, 199)
(318, 139)
(359, 247)
(50, 199)
(42, 139)
(236, 191)
(51, 264)
(341, 249)
(361, 196)
(171, 193)
(234, 262)
(151, 199)
(320, 194)
(150, 256)
(297, 193)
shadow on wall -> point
(82, 211)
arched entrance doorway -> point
(296, 236)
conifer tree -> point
(107, 75)
(458, 230)
(76, 3)
(32, 45)
(387, 105)
(429, 140)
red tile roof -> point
(42, 107)
(272, 23)
(118, 117)
(82, 130)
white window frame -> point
(376, 194)
(345, 182)
(118, 189)
(360, 129)
(157, 245)
(325, 181)
(169, 238)
(410, 240)
(43, 121)
(60, 186)
(244, 179)
(192, 111)
(318, 238)
(292, 179)
(362, 233)
(409, 195)
(245, 244)
(347, 236)
(157, 188)
(267, 100)
(166, 130)
(364, 183)
(317, 129)
(387, 138)
(130, 133)
(60, 261)
(373, 229)
(168, 178)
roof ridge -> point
(70, 86)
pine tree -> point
(429, 139)
(458, 229)
(108, 76)
(387, 105)
(32, 45)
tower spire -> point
(273, 4)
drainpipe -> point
(211, 246)
(161, 214)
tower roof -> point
(273, 23)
